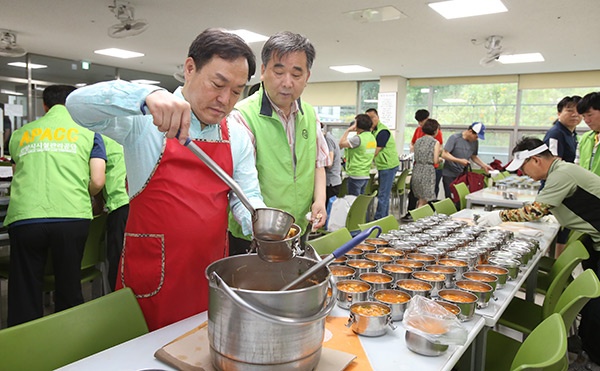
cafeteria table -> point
(548, 228)
(384, 353)
(509, 198)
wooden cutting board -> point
(191, 352)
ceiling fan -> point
(8, 45)
(494, 50)
(179, 75)
(128, 25)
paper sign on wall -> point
(386, 108)
(11, 110)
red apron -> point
(177, 226)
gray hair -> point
(285, 42)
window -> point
(368, 92)
(538, 106)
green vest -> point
(114, 191)
(586, 147)
(283, 185)
(387, 158)
(52, 171)
(359, 159)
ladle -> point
(334, 255)
(277, 223)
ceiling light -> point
(454, 100)
(146, 82)
(119, 53)
(467, 8)
(33, 66)
(380, 14)
(353, 68)
(371, 100)
(521, 58)
(10, 92)
(249, 36)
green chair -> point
(61, 338)
(93, 255)
(343, 188)
(326, 244)
(445, 206)
(463, 191)
(387, 223)
(421, 212)
(524, 316)
(358, 211)
(506, 174)
(544, 349)
(546, 262)
(574, 253)
(399, 191)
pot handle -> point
(268, 316)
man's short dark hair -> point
(284, 43)
(364, 122)
(591, 100)
(568, 102)
(421, 115)
(56, 94)
(372, 110)
(529, 143)
(214, 42)
(430, 126)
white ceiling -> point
(423, 44)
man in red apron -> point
(177, 224)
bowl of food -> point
(464, 300)
(414, 264)
(414, 287)
(488, 278)
(378, 281)
(397, 301)
(511, 265)
(425, 258)
(341, 272)
(461, 266)
(482, 290)
(500, 272)
(437, 280)
(351, 291)
(397, 271)
(394, 253)
(362, 266)
(420, 344)
(355, 253)
(369, 318)
(380, 259)
(454, 309)
(447, 271)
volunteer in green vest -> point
(360, 153)
(291, 151)
(589, 107)
(58, 166)
(116, 201)
(387, 162)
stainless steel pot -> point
(419, 344)
(370, 324)
(254, 326)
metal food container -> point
(447, 271)
(466, 301)
(488, 278)
(483, 291)
(397, 271)
(362, 266)
(378, 281)
(414, 287)
(511, 265)
(369, 318)
(351, 291)
(341, 272)
(397, 301)
(436, 280)
(252, 325)
(420, 345)
(498, 271)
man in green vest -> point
(387, 162)
(360, 153)
(291, 151)
(57, 166)
(589, 107)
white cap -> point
(520, 157)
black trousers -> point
(30, 246)
(115, 235)
(237, 246)
(589, 327)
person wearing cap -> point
(459, 150)
(589, 107)
(572, 195)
